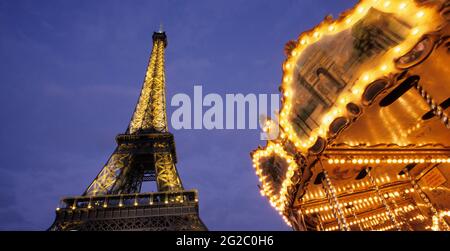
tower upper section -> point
(150, 113)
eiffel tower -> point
(144, 153)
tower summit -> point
(144, 153)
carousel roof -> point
(363, 95)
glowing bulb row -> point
(105, 205)
(383, 216)
(355, 186)
(418, 217)
(357, 203)
(387, 228)
(362, 161)
(412, 129)
(438, 218)
(286, 220)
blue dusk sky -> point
(70, 76)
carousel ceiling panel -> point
(435, 182)
(360, 201)
(351, 180)
(401, 123)
(346, 168)
(407, 118)
(358, 195)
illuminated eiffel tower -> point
(145, 153)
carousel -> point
(362, 140)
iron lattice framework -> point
(364, 127)
(145, 153)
